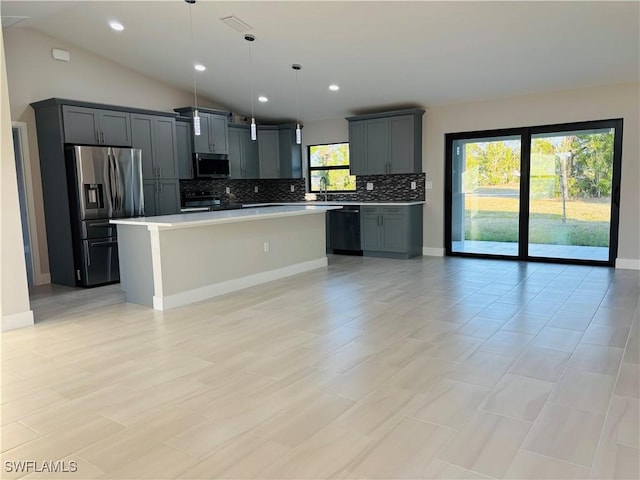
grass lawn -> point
(495, 219)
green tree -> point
(592, 164)
(494, 163)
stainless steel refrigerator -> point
(104, 183)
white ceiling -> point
(382, 54)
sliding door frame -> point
(526, 134)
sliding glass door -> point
(546, 193)
(485, 206)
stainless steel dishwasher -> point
(343, 228)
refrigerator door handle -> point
(119, 186)
(108, 188)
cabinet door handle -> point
(98, 136)
(160, 185)
(102, 132)
(381, 221)
(159, 171)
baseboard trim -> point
(628, 263)
(210, 291)
(16, 320)
(433, 252)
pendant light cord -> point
(297, 97)
(251, 77)
(193, 51)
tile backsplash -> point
(244, 191)
(386, 188)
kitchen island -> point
(175, 260)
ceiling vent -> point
(235, 23)
(8, 21)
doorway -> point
(18, 131)
(548, 193)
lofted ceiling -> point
(382, 54)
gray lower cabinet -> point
(391, 231)
(386, 143)
(183, 146)
(243, 153)
(93, 126)
(161, 197)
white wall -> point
(33, 75)
(14, 295)
(599, 103)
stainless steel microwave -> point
(211, 165)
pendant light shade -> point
(196, 118)
(196, 123)
(254, 133)
(297, 67)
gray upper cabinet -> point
(184, 149)
(214, 130)
(156, 137)
(357, 160)
(385, 143)
(279, 155)
(92, 126)
(290, 153)
(202, 142)
(243, 153)
(376, 133)
(219, 133)
(269, 153)
(402, 144)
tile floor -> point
(543, 250)
(374, 368)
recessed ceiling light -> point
(117, 26)
(333, 87)
(199, 67)
(263, 99)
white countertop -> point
(186, 220)
(337, 202)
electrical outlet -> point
(369, 186)
(428, 184)
(255, 189)
(293, 188)
(266, 246)
(413, 185)
(228, 190)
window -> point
(332, 163)
(546, 193)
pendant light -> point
(251, 38)
(196, 118)
(297, 67)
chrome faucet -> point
(323, 187)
